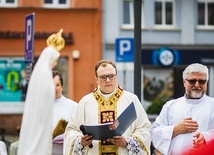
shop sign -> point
(37, 35)
(166, 56)
(10, 77)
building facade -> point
(81, 24)
(174, 34)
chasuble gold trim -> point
(107, 112)
(142, 145)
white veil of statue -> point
(3, 148)
(36, 128)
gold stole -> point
(107, 112)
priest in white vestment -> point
(62, 111)
(186, 123)
(104, 105)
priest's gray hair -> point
(196, 68)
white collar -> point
(106, 96)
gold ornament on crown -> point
(56, 40)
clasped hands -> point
(119, 141)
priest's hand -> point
(86, 140)
(198, 139)
(185, 126)
(118, 141)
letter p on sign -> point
(29, 37)
(124, 50)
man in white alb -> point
(62, 111)
(186, 123)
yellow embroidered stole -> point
(107, 112)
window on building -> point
(8, 3)
(206, 13)
(56, 3)
(128, 14)
(164, 12)
(62, 66)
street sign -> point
(124, 50)
(29, 38)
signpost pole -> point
(124, 75)
(29, 43)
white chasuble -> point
(90, 112)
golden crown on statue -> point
(56, 40)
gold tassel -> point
(60, 128)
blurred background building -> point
(81, 22)
(174, 34)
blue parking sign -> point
(124, 50)
(29, 38)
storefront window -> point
(157, 89)
(12, 82)
(12, 78)
(62, 66)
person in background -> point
(62, 111)
(3, 148)
(23, 84)
(187, 123)
(104, 105)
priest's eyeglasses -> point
(193, 81)
(104, 77)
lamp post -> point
(137, 47)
